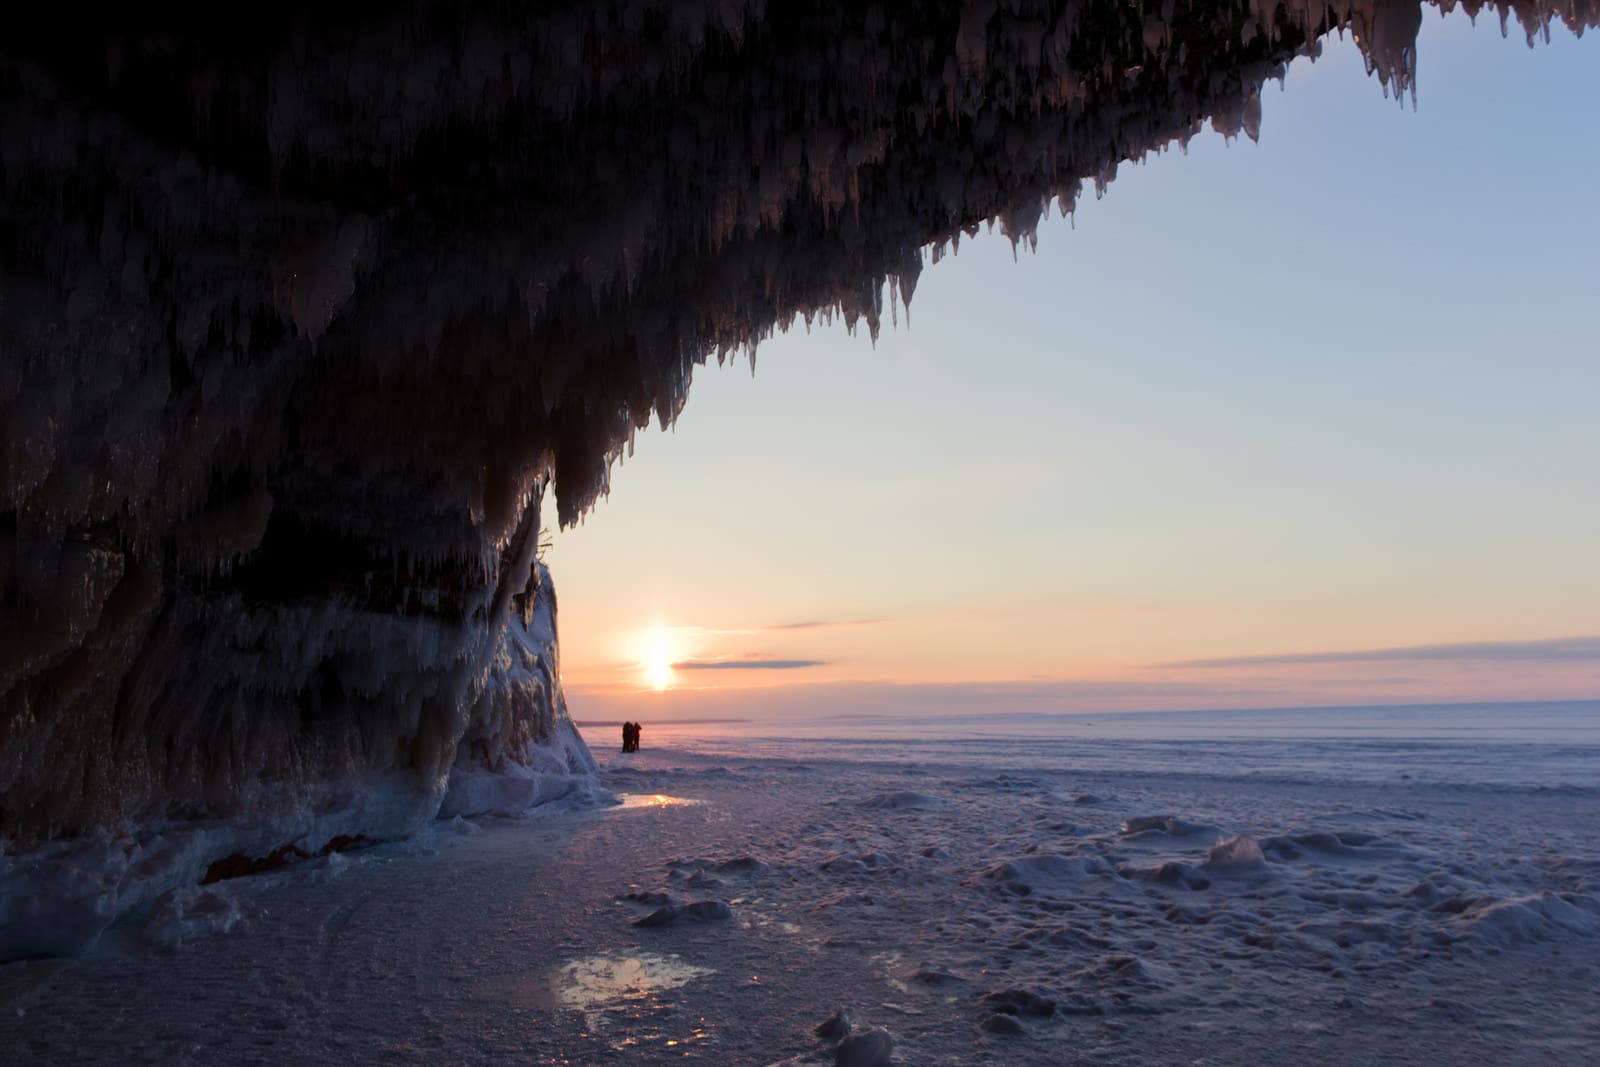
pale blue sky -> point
(1338, 390)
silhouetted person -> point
(636, 729)
(627, 737)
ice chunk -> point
(1239, 852)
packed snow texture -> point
(302, 311)
(1047, 910)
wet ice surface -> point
(982, 901)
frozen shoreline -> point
(516, 749)
(978, 909)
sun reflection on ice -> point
(609, 990)
(654, 800)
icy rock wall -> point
(520, 748)
(303, 308)
(508, 749)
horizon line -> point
(1187, 710)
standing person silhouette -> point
(627, 737)
(636, 737)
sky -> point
(1305, 422)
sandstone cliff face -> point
(301, 316)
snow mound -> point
(928, 974)
(1000, 1023)
(1019, 1001)
(1323, 844)
(1170, 873)
(700, 911)
(860, 864)
(514, 791)
(1237, 853)
(702, 872)
(866, 1048)
(59, 902)
(192, 912)
(1050, 875)
(1170, 825)
(1120, 983)
(1123, 971)
(835, 1026)
(1526, 920)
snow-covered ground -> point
(1353, 888)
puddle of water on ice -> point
(596, 982)
(626, 992)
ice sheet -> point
(977, 904)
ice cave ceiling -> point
(301, 310)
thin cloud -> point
(809, 624)
(823, 624)
(1551, 650)
(749, 663)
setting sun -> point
(658, 658)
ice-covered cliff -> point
(302, 310)
(509, 746)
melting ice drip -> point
(300, 319)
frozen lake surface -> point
(1371, 886)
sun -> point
(658, 658)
